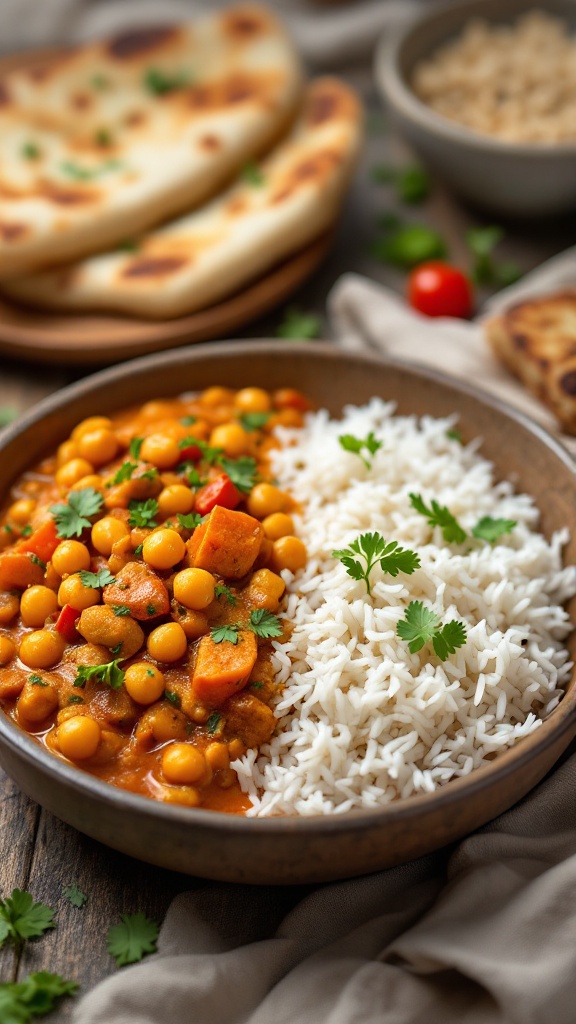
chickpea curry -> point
(140, 585)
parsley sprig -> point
(129, 941)
(421, 625)
(439, 515)
(110, 673)
(355, 445)
(73, 518)
(371, 549)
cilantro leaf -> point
(7, 414)
(79, 173)
(21, 918)
(110, 673)
(491, 529)
(409, 245)
(124, 473)
(227, 632)
(73, 518)
(254, 420)
(159, 83)
(172, 697)
(372, 549)
(223, 591)
(252, 175)
(486, 270)
(355, 445)
(34, 996)
(190, 521)
(213, 723)
(299, 326)
(134, 938)
(120, 610)
(135, 446)
(142, 512)
(102, 578)
(75, 895)
(242, 472)
(412, 184)
(188, 421)
(31, 151)
(264, 624)
(193, 478)
(448, 638)
(454, 435)
(417, 626)
(439, 515)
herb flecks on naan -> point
(275, 208)
(536, 340)
(112, 138)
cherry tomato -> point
(437, 289)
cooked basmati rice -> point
(362, 721)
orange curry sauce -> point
(139, 592)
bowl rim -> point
(398, 93)
(561, 720)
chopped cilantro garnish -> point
(159, 82)
(110, 673)
(142, 513)
(190, 521)
(454, 435)
(135, 446)
(252, 175)
(264, 624)
(26, 530)
(213, 722)
(103, 137)
(439, 515)
(172, 697)
(79, 173)
(223, 591)
(37, 680)
(124, 473)
(31, 151)
(73, 518)
(227, 632)
(254, 420)
(75, 698)
(409, 245)
(421, 625)
(373, 549)
(102, 578)
(242, 472)
(151, 609)
(355, 444)
(491, 529)
(299, 326)
(188, 421)
(120, 610)
(486, 270)
(38, 561)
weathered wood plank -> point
(19, 818)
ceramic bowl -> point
(518, 179)
(291, 849)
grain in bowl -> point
(515, 82)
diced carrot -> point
(43, 542)
(141, 590)
(220, 491)
(18, 571)
(224, 668)
(227, 543)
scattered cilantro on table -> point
(75, 895)
(486, 269)
(131, 940)
(34, 996)
(421, 625)
(22, 918)
(73, 518)
(411, 183)
(371, 549)
(299, 326)
(408, 245)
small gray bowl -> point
(514, 179)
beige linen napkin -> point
(483, 933)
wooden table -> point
(40, 853)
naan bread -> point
(536, 340)
(275, 209)
(114, 137)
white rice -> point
(362, 721)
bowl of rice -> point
(415, 701)
(484, 90)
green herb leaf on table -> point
(7, 415)
(355, 444)
(73, 518)
(102, 578)
(226, 632)
(490, 529)
(223, 591)
(411, 183)
(131, 940)
(22, 918)
(421, 625)
(264, 624)
(371, 548)
(35, 996)
(110, 673)
(159, 82)
(242, 472)
(252, 175)
(439, 515)
(487, 270)
(74, 895)
(299, 326)
(409, 245)
(254, 420)
(142, 513)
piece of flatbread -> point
(276, 208)
(112, 138)
(536, 340)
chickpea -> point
(215, 396)
(236, 748)
(144, 682)
(289, 553)
(73, 592)
(265, 589)
(167, 642)
(163, 549)
(168, 724)
(89, 425)
(67, 451)
(72, 471)
(20, 511)
(175, 498)
(7, 649)
(78, 737)
(184, 796)
(226, 778)
(265, 499)
(98, 446)
(92, 480)
(42, 649)
(277, 525)
(156, 410)
(194, 588)
(253, 400)
(286, 418)
(193, 623)
(183, 763)
(9, 606)
(106, 532)
(232, 438)
(36, 604)
(161, 450)
(217, 756)
(70, 556)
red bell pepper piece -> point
(220, 491)
(42, 543)
(66, 623)
(192, 453)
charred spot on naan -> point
(11, 232)
(67, 196)
(143, 41)
(243, 26)
(230, 91)
(154, 266)
(81, 101)
(210, 143)
(312, 170)
(329, 100)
